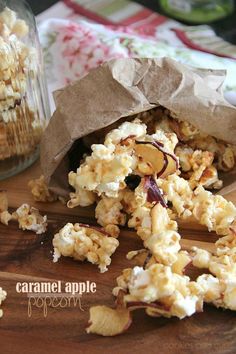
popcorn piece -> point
(220, 292)
(198, 165)
(184, 153)
(213, 211)
(83, 242)
(40, 191)
(201, 258)
(3, 296)
(5, 217)
(227, 160)
(211, 287)
(109, 211)
(229, 295)
(106, 169)
(112, 230)
(179, 193)
(210, 210)
(9, 24)
(227, 245)
(164, 240)
(81, 197)
(127, 129)
(221, 264)
(141, 221)
(209, 178)
(30, 219)
(8, 17)
(20, 28)
(224, 153)
(132, 199)
(181, 263)
(184, 130)
(136, 203)
(102, 172)
(175, 294)
(219, 289)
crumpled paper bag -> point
(124, 87)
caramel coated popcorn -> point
(220, 285)
(29, 218)
(3, 296)
(148, 174)
(213, 211)
(40, 191)
(83, 242)
(174, 294)
(197, 165)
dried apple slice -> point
(156, 306)
(172, 165)
(108, 322)
(157, 312)
(153, 153)
(154, 194)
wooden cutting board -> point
(25, 257)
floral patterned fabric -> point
(71, 49)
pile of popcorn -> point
(149, 173)
(20, 127)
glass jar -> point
(198, 11)
(24, 107)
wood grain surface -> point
(26, 257)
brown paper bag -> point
(124, 87)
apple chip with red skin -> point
(154, 194)
(163, 163)
(108, 322)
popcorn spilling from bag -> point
(149, 173)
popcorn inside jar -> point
(23, 95)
